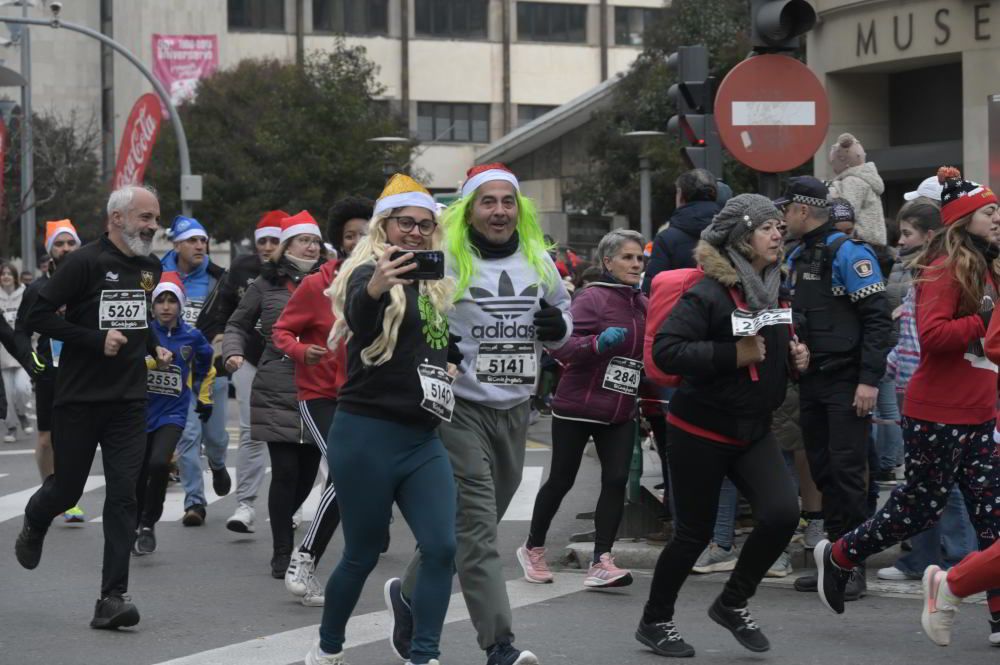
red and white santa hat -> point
(480, 175)
(171, 282)
(269, 225)
(298, 224)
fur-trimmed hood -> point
(718, 267)
(715, 264)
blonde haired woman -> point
(384, 445)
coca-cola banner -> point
(180, 61)
(137, 142)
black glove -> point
(455, 356)
(204, 411)
(550, 326)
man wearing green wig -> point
(509, 303)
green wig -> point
(532, 241)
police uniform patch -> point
(863, 268)
(186, 352)
(146, 280)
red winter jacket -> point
(307, 319)
(955, 383)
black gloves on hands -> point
(204, 411)
(550, 326)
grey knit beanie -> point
(738, 218)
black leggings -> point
(151, 489)
(614, 449)
(293, 472)
(697, 467)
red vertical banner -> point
(137, 141)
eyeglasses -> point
(307, 241)
(406, 225)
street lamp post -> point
(387, 143)
(190, 185)
(645, 182)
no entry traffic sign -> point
(772, 113)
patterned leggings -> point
(937, 456)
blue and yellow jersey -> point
(191, 373)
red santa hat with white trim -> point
(298, 224)
(170, 282)
(269, 225)
(477, 176)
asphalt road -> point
(206, 598)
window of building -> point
(351, 17)
(548, 22)
(465, 19)
(530, 112)
(265, 15)
(461, 123)
(631, 23)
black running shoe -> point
(831, 578)
(806, 583)
(221, 482)
(504, 653)
(28, 546)
(113, 612)
(279, 564)
(739, 622)
(145, 541)
(401, 625)
(662, 637)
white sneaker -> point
(315, 657)
(243, 519)
(300, 571)
(297, 518)
(893, 574)
(782, 567)
(9, 437)
(432, 661)
(939, 607)
(29, 430)
(315, 595)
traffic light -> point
(775, 25)
(693, 96)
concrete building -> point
(462, 73)
(916, 81)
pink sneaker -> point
(532, 561)
(606, 574)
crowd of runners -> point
(796, 358)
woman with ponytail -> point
(383, 444)
(950, 404)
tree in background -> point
(67, 178)
(641, 103)
(266, 134)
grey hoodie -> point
(862, 186)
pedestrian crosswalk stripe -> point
(12, 505)
(523, 503)
(290, 646)
(173, 504)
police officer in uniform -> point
(100, 387)
(838, 296)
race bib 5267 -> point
(123, 309)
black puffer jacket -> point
(696, 341)
(274, 407)
(673, 247)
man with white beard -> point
(101, 387)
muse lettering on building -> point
(906, 29)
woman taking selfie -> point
(383, 445)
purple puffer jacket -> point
(581, 394)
